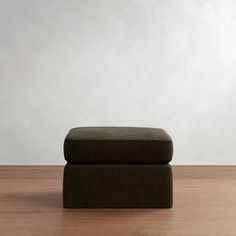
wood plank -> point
(31, 204)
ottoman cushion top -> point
(118, 145)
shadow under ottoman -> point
(117, 167)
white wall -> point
(166, 63)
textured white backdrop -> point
(166, 63)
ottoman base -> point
(117, 185)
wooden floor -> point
(31, 204)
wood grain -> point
(31, 204)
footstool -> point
(117, 167)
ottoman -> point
(117, 167)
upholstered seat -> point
(117, 167)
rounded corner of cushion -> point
(171, 151)
(168, 137)
(65, 147)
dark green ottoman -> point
(117, 167)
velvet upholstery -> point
(118, 145)
(117, 185)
